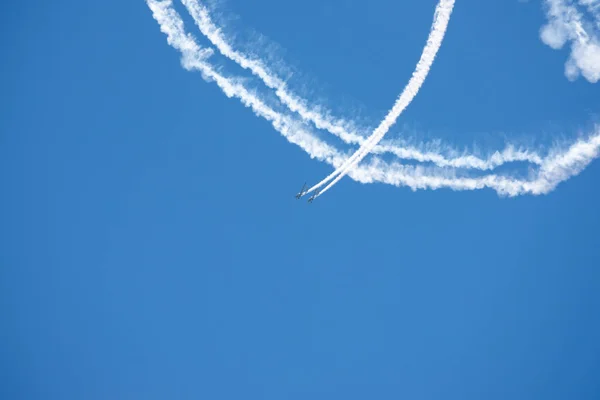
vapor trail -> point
(434, 42)
(340, 128)
(554, 169)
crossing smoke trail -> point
(553, 170)
(434, 42)
(214, 34)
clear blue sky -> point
(151, 247)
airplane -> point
(314, 196)
(302, 191)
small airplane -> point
(302, 191)
(314, 196)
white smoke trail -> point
(340, 128)
(554, 169)
(194, 57)
(441, 19)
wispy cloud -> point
(567, 25)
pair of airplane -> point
(304, 190)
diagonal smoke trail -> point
(434, 42)
(214, 34)
(554, 170)
(194, 57)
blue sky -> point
(151, 246)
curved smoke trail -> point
(554, 169)
(339, 128)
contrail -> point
(201, 16)
(434, 42)
(554, 169)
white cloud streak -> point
(553, 170)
